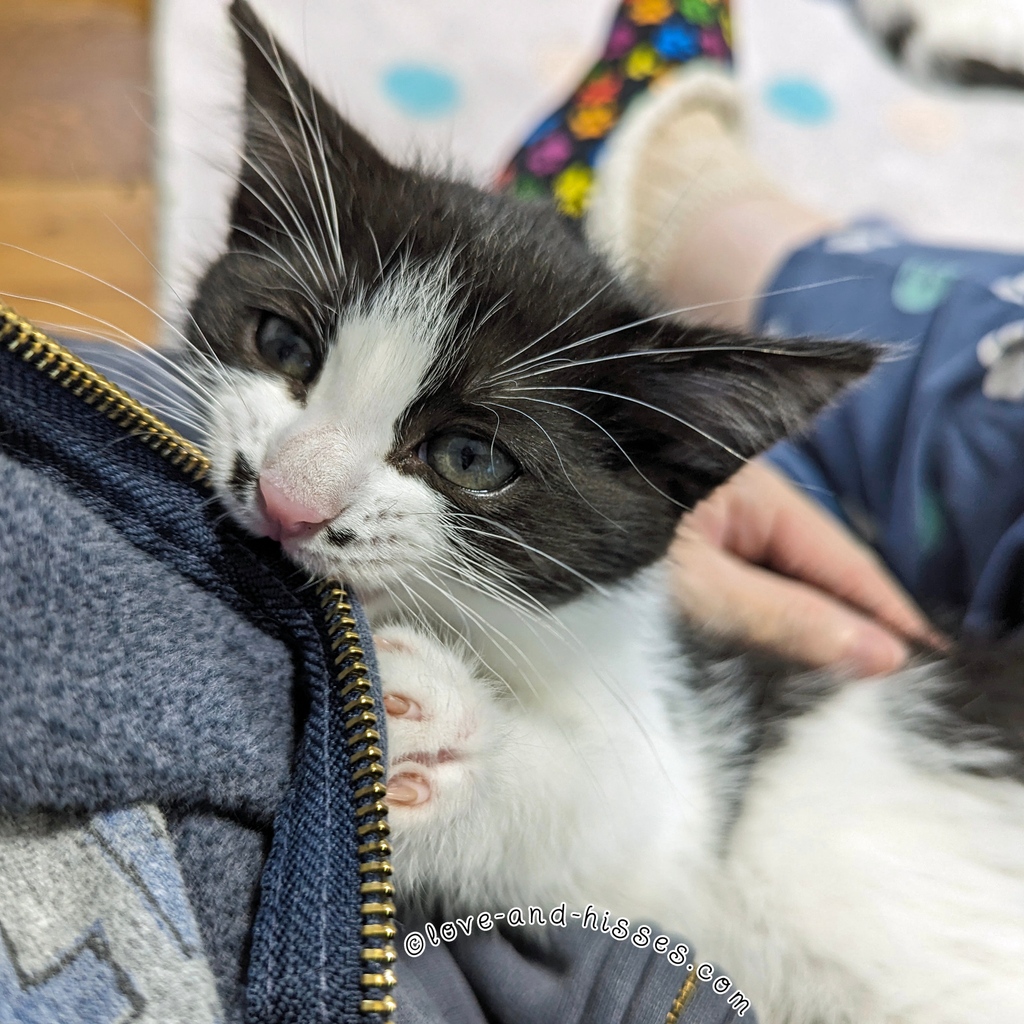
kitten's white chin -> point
(373, 595)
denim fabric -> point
(305, 962)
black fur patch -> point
(981, 73)
(897, 35)
(980, 701)
(770, 690)
(339, 538)
(761, 693)
(243, 478)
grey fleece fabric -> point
(575, 976)
(571, 976)
(122, 683)
(129, 683)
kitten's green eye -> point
(468, 462)
(284, 348)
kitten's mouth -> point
(296, 545)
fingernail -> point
(875, 653)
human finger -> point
(732, 598)
(761, 517)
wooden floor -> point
(76, 185)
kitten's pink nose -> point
(288, 519)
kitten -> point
(441, 397)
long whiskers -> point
(561, 323)
(513, 371)
(508, 538)
(654, 408)
(561, 462)
(142, 351)
(604, 430)
(766, 349)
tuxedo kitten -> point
(970, 42)
(441, 397)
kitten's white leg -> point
(451, 772)
(490, 806)
(440, 713)
(871, 880)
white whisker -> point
(654, 408)
(667, 314)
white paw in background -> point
(440, 722)
(974, 42)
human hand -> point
(759, 562)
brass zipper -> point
(94, 389)
(366, 764)
(681, 1000)
(350, 672)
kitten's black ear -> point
(303, 164)
(699, 405)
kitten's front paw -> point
(440, 722)
(972, 42)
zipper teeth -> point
(366, 763)
(94, 389)
(681, 1000)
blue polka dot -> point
(799, 100)
(420, 90)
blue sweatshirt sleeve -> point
(922, 457)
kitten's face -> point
(415, 379)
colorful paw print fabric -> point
(647, 38)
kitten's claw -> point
(408, 790)
(398, 706)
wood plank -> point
(92, 228)
(57, 9)
(76, 167)
(77, 100)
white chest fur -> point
(863, 879)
